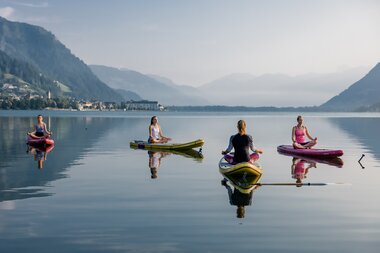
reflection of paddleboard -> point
(39, 141)
(333, 161)
(190, 153)
(167, 146)
(243, 182)
(228, 169)
(314, 152)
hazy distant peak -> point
(364, 92)
(274, 76)
(163, 79)
(238, 77)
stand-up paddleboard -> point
(312, 152)
(333, 161)
(167, 146)
(39, 141)
(190, 153)
(243, 182)
(42, 148)
(248, 168)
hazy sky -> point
(194, 42)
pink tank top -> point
(299, 170)
(300, 135)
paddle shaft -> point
(298, 184)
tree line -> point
(37, 103)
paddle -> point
(361, 165)
(299, 184)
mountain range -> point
(279, 89)
(363, 93)
(35, 61)
(42, 50)
(148, 87)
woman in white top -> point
(155, 132)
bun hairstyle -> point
(300, 121)
(242, 127)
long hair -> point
(151, 120)
(242, 127)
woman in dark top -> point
(242, 143)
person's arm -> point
(229, 148)
(33, 131)
(47, 131)
(229, 191)
(294, 163)
(311, 165)
(253, 147)
(161, 133)
(294, 135)
(150, 132)
(308, 135)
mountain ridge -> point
(363, 93)
(40, 48)
(144, 85)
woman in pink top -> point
(298, 135)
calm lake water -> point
(95, 194)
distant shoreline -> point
(211, 108)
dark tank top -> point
(241, 145)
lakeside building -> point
(143, 105)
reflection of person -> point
(39, 156)
(155, 162)
(298, 135)
(155, 132)
(299, 170)
(40, 129)
(238, 199)
(242, 143)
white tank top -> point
(155, 160)
(156, 132)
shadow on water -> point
(39, 153)
(155, 157)
(242, 192)
(336, 161)
(20, 177)
(300, 165)
(365, 130)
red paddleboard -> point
(39, 141)
(312, 152)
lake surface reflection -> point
(93, 193)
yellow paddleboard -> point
(166, 146)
